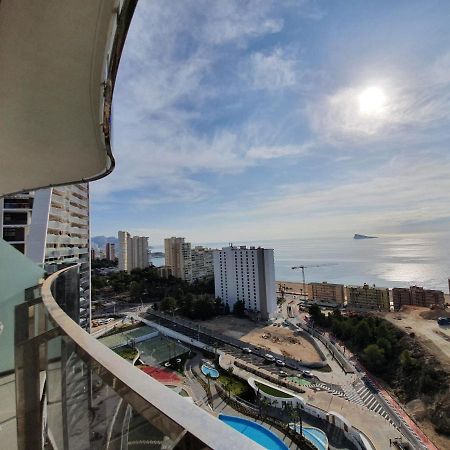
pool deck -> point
(377, 429)
(220, 407)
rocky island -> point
(363, 236)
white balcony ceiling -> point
(52, 65)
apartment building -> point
(400, 297)
(368, 297)
(417, 296)
(246, 274)
(177, 255)
(326, 293)
(110, 251)
(202, 263)
(164, 271)
(51, 227)
(133, 252)
(188, 263)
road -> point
(230, 345)
(358, 387)
(378, 399)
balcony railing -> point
(74, 393)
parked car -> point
(283, 374)
(280, 363)
(247, 350)
(307, 374)
(269, 357)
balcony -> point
(19, 206)
(73, 392)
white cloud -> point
(237, 21)
(415, 104)
(271, 71)
(271, 152)
(405, 190)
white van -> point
(269, 357)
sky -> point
(240, 120)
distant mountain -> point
(363, 236)
(102, 240)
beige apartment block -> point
(368, 297)
(133, 252)
(326, 292)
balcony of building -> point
(73, 392)
(59, 387)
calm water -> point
(389, 261)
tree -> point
(203, 307)
(316, 314)
(362, 336)
(169, 304)
(136, 290)
(239, 308)
(409, 364)
(98, 282)
(374, 357)
(386, 345)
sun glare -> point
(372, 101)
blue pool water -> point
(209, 371)
(254, 431)
(317, 437)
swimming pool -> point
(210, 371)
(317, 437)
(254, 431)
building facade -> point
(110, 251)
(164, 271)
(176, 253)
(326, 293)
(400, 297)
(246, 274)
(417, 296)
(202, 263)
(133, 252)
(51, 227)
(188, 263)
(368, 297)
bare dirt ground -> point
(276, 339)
(423, 323)
(436, 340)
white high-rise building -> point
(51, 227)
(123, 249)
(246, 274)
(133, 252)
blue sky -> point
(245, 120)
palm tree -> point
(265, 403)
(297, 410)
(227, 386)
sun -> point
(372, 101)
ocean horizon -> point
(389, 261)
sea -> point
(398, 260)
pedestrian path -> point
(327, 388)
(371, 402)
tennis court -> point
(160, 349)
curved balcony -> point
(74, 392)
(68, 77)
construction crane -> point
(303, 273)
